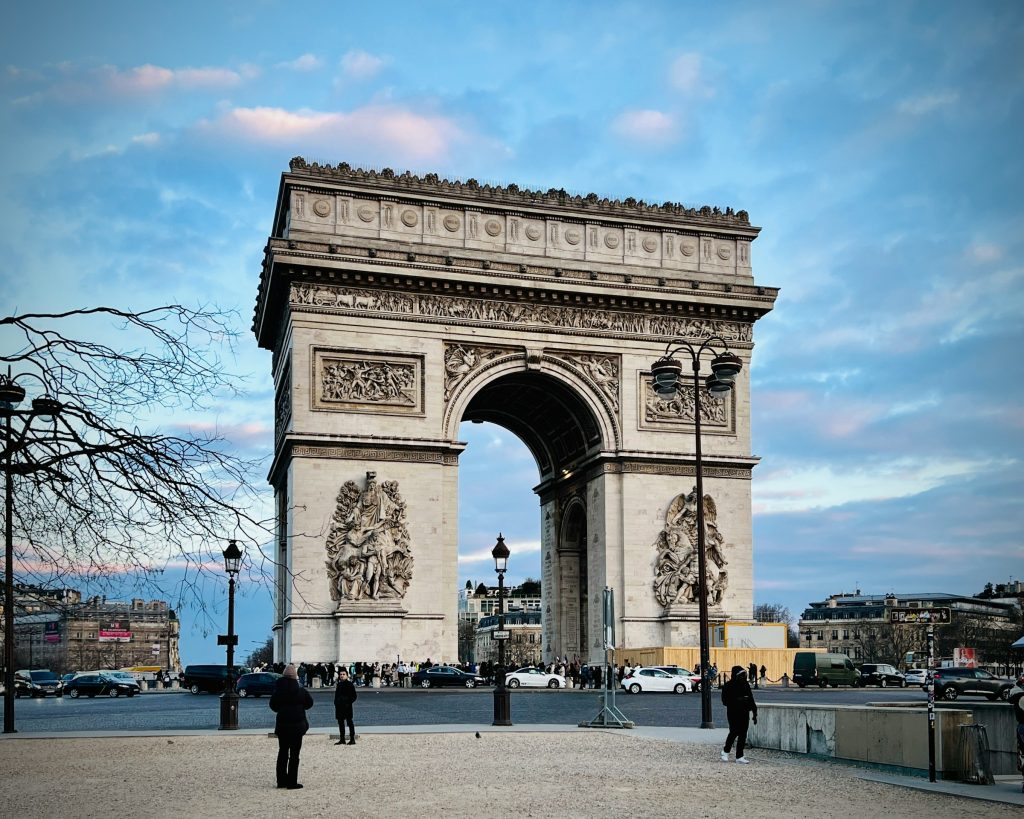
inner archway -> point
(543, 416)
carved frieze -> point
(524, 315)
(368, 549)
(356, 381)
(717, 415)
(676, 573)
(283, 404)
(599, 369)
(462, 359)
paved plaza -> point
(525, 771)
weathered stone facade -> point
(398, 306)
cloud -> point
(307, 62)
(646, 126)
(148, 139)
(148, 79)
(926, 103)
(360, 65)
(686, 74)
(407, 135)
(517, 548)
(985, 253)
(820, 487)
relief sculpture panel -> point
(676, 568)
(367, 382)
(368, 549)
(462, 359)
(717, 415)
(601, 370)
(521, 315)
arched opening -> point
(553, 423)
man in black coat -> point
(344, 695)
(290, 702)
(739, 703)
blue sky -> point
(873, 142)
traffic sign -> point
(227, 639)
(500, 635)
(923, 617)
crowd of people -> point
(576, 674)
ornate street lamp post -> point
(229, 699)
(502, 704)
(12, 394)
(666, 373)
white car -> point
(917, 676)
(533, 678)
(684, 674)
(654, 679)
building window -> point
(846, 634)
(835, 634)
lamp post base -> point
(502, 707)
(229, 711)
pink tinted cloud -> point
(646, 126)
(406, 134)
(148, 79)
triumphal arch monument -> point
(398, 306)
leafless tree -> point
(120, 482)
(262, 655)
(778, 613)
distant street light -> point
(502, 704)
(229, 699)
(12, 394)
(666, 372)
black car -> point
(881, 675)
(256, 684)
(443, 675)
(92, 684)
(951, 683)
(37, 683)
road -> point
(182, 711)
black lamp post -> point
(502, 704)
(12, 394)
(229, 699)
(666, 373)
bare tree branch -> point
(103, 491)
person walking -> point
(739, 704)
(752, 674)
(290, 701)
(1016, 699)
(344, 695)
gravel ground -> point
(535, 774)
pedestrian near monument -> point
(290, 701)
(752, 674)
(1016, 699)
(344, 696)
(739, 704)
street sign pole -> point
(931, 704)
(609, 716)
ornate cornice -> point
(512, 195)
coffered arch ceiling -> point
(548, 416)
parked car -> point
(916, 676)
(210, 678)
(814, 668)
(688, 678)
(37, 683)
(882, 675)
(438, 676)
(951, 683)
(92, 684)
(530, 677)
(256, 684)
(643, 680)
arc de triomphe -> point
(398, 306)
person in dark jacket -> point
(290, 701)
(739, 704)
(344, 695)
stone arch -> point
(554, 383)
(573, 578)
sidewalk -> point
(700, 747)
(467, 770)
